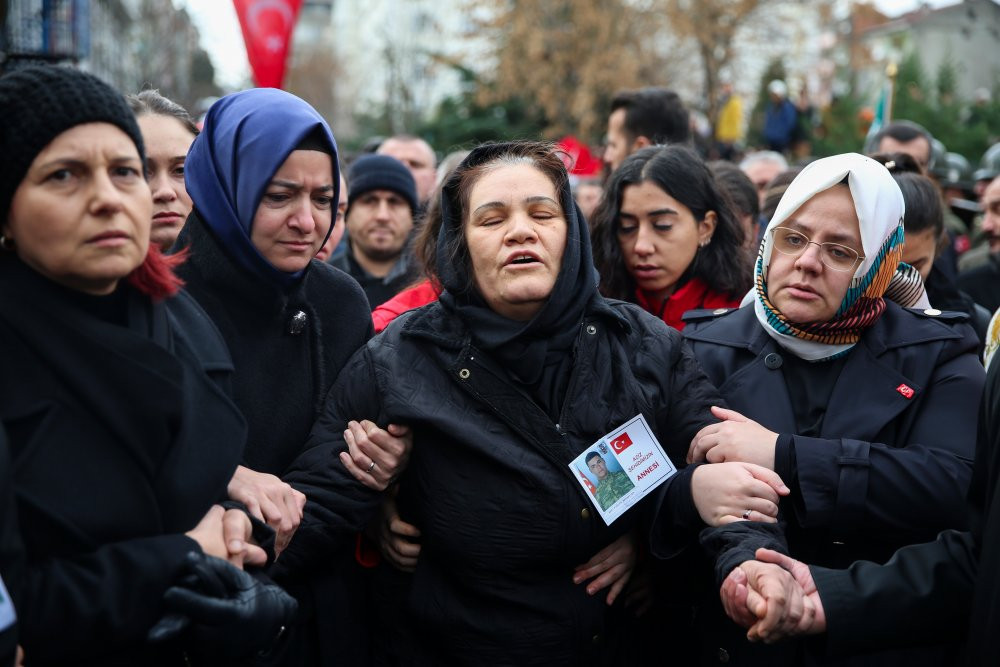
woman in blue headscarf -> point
(264, 179)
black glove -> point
(220, 611)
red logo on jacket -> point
(906, 391)
(621, 443)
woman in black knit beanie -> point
(107, 401)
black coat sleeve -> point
(925, 590)
(337, 505)
(11, 554)
(676, 522)
(109, 597)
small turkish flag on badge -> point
(905, 390)
(621, 443)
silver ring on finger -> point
(746, 514)
(372, 467)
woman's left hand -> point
(735, 438)
(376, 456)
(227, 534)
(614, 563)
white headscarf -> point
(879, 205)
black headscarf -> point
(545, 341)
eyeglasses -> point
(833, 255)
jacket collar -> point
(894, 329)
(852, 412)
(433, 323)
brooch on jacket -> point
(297, 324)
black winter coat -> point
(892, 462)
(503, 519)
(926, 592)
(120, 442)
(11, 554)
(287, 345)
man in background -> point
(644, 117)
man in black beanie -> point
(382, 199)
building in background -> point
(397, 58)
(965, 35)
(132, 44)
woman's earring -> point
(705, 242)
(6, 243)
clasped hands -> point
(774, 596)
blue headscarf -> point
(246, 138)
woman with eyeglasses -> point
(864, 408)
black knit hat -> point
(40, 102)
(380, 172)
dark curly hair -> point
(723, 265)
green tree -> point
(963, 126)
(841, 128)
(463, 121)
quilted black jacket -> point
(502, 517)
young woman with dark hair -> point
(168, 131)
(665, 236)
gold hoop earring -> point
(6, 243)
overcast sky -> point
(220, 33)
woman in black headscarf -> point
(514, 373)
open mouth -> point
(524, 259)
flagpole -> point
(891, 71)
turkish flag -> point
(586, 480)
(621, 443)
(267, 31)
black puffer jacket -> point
(502, 517)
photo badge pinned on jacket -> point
(7, 615)
(621, 468)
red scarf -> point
(693, 295)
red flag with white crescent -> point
(267, 31)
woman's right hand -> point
(271, 500)
(396, 538)
(724, 492)
(226, 534)
(376, 457)
(611, 567)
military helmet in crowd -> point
(989, 165)
(953, 171)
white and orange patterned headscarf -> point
(879, 205)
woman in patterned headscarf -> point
(866, 409)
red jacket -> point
(420, 294)
(692, 296)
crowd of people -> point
(261, 407)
